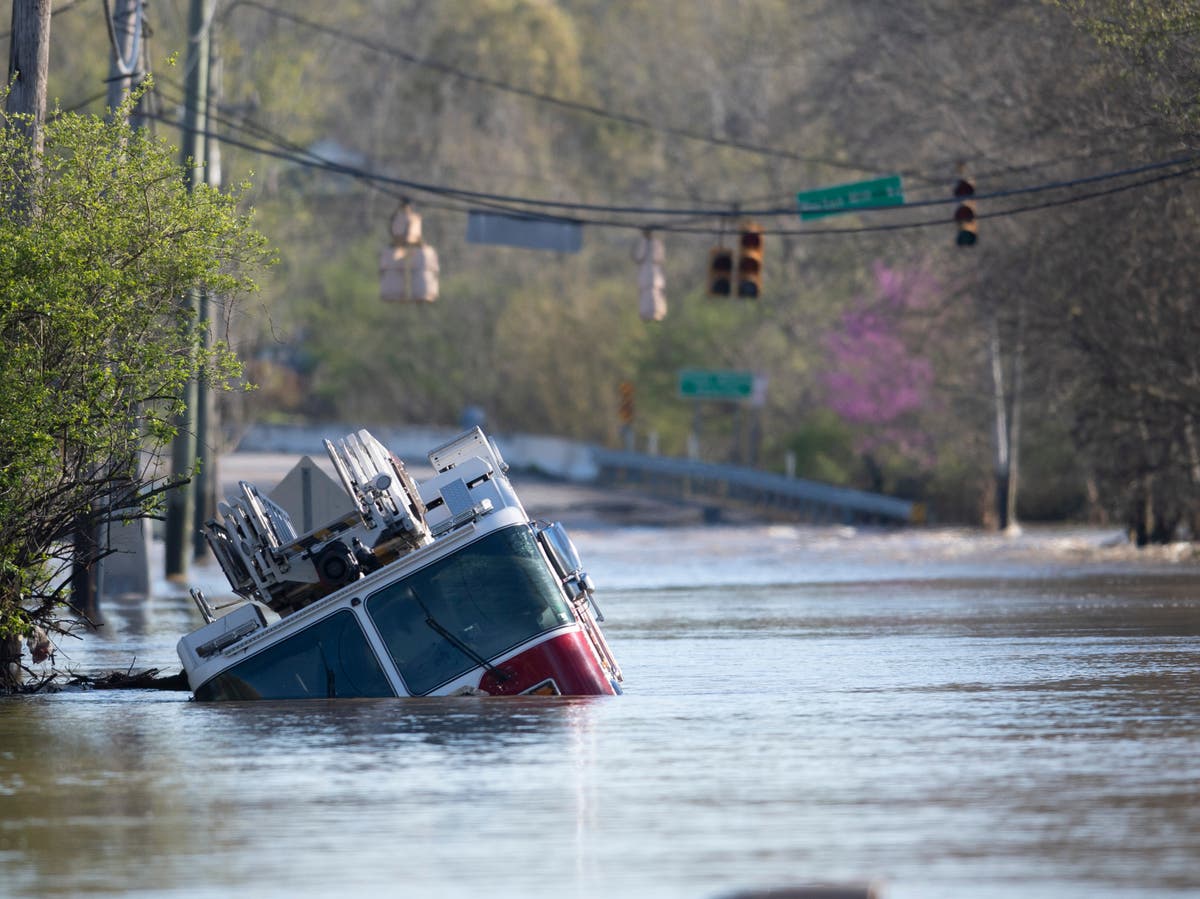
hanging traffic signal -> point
(749, 264)
(720, 272)
(408, 269)
(648, 253)
(625, 410)
(964, 215)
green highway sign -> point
(814, 204)
(698, 384)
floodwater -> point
(939, 714)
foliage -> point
(824, 449)
(1159, 40)
(1021, 94)
(96, 346)
(873, 378)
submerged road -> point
(951, 715)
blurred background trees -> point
(1076, 297)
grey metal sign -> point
(529, 232)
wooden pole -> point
(29, 66)
(28, 72)
(206, 430)
(181, 500)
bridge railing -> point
(769, 494)
(729, 486)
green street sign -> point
(815, 204)
(698, 384)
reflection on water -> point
(957, 726)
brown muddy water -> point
(941, 714)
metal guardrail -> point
(771, 494)
(716, 486)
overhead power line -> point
(552, 100)
(1003, 213)
(611, 115)
(568, 209)
(250, 126)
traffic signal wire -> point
(942, 222)
(602, 112)
(256, 129)
(518, 206)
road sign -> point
(698, 384)
(814, 204)
(529, 232)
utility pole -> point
(206, 439)
(28, 72)
(1007, 429)
(126, 567)
(180, 501)
(29, 65)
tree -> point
(1159, 41)
(95, 348)
(455, 94)
(874, 380)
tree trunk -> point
(1193, 451)
(11, 674)
(1001, 422)
(1143, 513)
(124, 69)
(1011, 526)
(84, 594)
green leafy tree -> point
(96, 349)
(1159, 40)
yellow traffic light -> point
(626, 411)
(749, 264)
(964, 215)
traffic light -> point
(964, 215)
(408, 269)
(626, 408)
(648, 253)
(720, 272)
(749, 264)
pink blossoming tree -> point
(874, 381)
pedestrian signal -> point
(749, 263)
(964, 215)
(720, 272)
